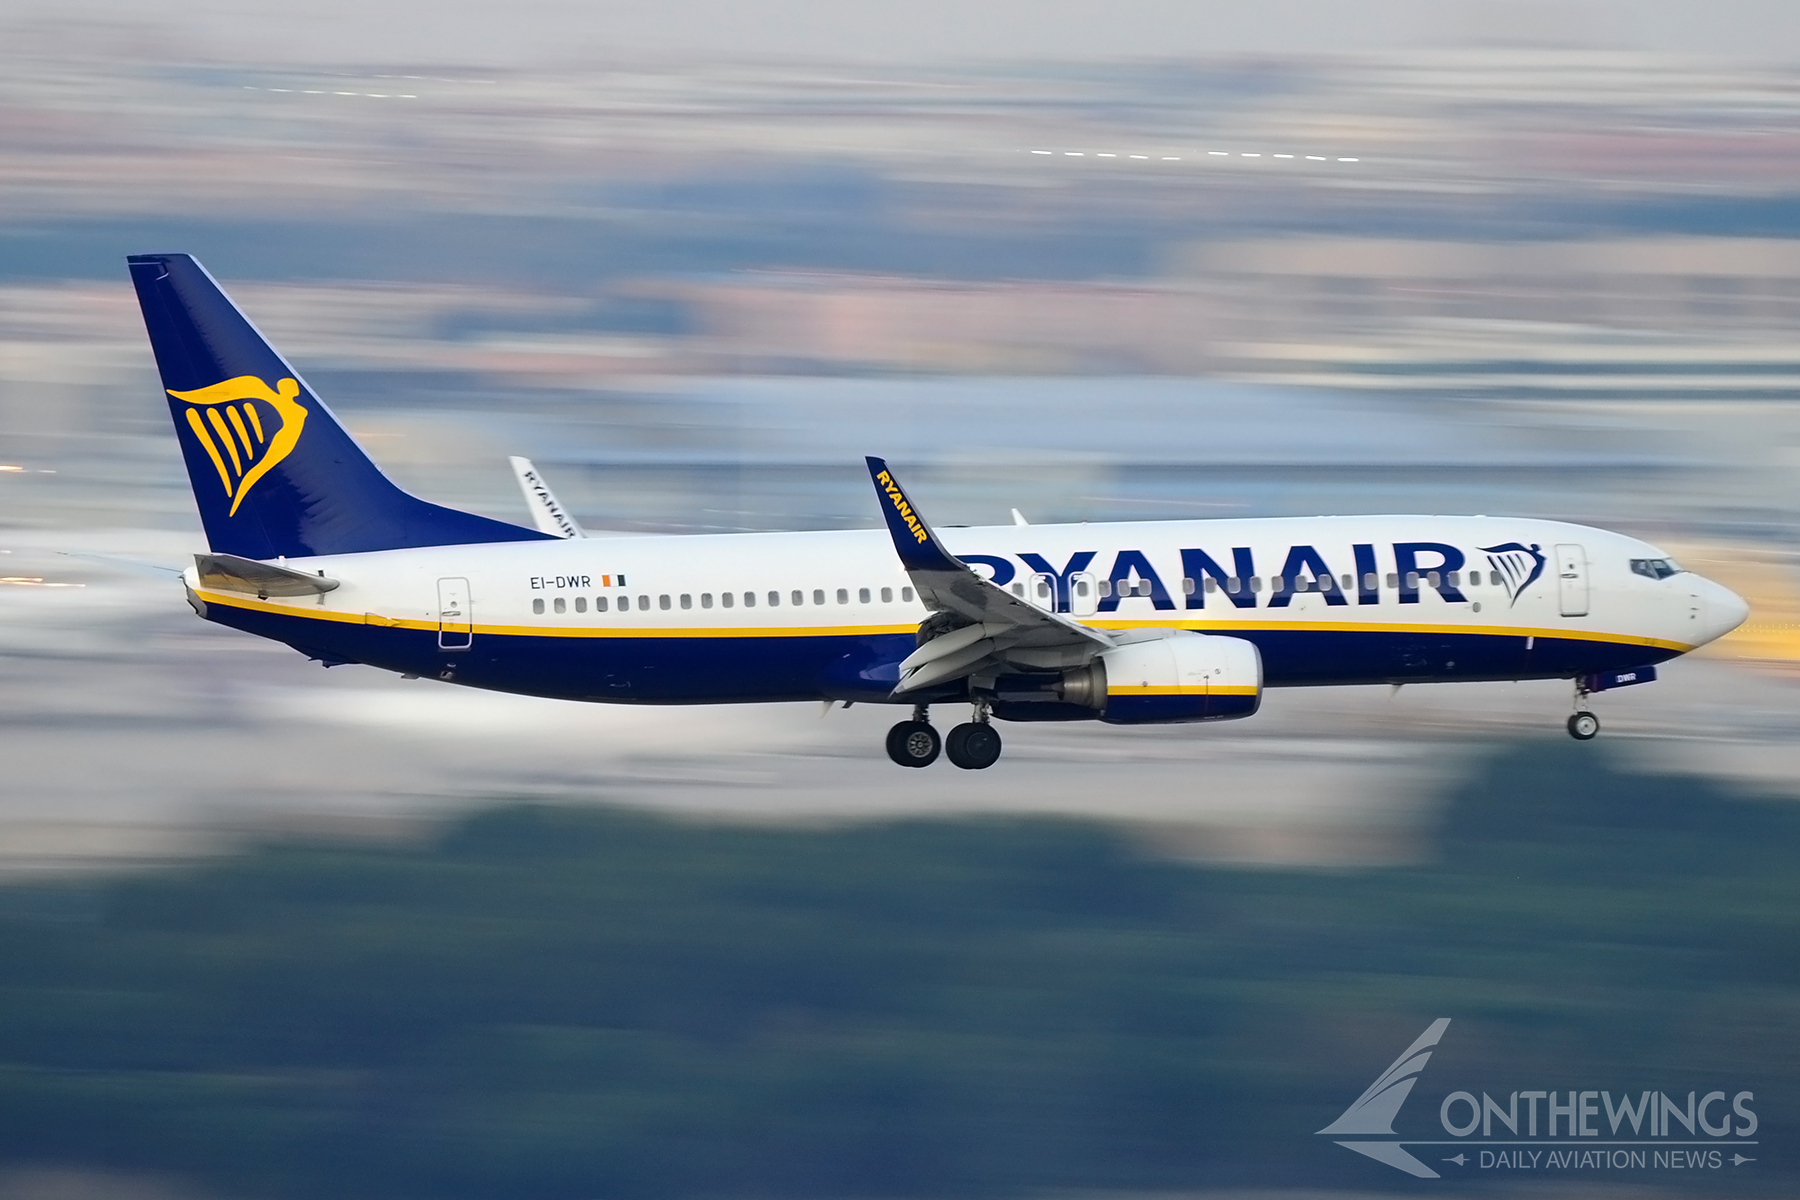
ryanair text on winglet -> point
(901, 506)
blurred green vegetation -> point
(577, 1002)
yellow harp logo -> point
(253, 441)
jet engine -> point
(1174, 677)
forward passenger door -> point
(1572, 580)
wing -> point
(1004, 630)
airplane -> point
(1127, 623)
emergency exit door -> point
(456, 624)
(1572, 580)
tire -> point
(1583, 726)
(973, 747)
(914, 744)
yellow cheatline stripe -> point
(255, 421)
(305, 608)
(1569, 635)
(218, 423)
(237, 423)
(212, 451)
(1156, 691)
(1201, 690)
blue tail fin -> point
(273, 472)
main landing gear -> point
(1583, 725)
(973, 745)
(914, 743)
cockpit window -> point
(1655, 568)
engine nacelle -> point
(1180, 677)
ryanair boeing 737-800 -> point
(1127, 623)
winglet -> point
(915, 543)
(547, 513)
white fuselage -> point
(702, 618)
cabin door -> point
(1572, 580)
(456, 624)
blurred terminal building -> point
(1578, 272)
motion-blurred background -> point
(1095, 262)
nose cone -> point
(1721, 610)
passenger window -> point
(774, 599)
(1233, 585)
(727, 599)
(1349, 582)
(1187, 587)
(687, 601)
(599, 603)
(537, 606)
(1372, 582)
(705, 599)
(1212, 586)
(1431, 577)
(818, 595)
(843, 595)
(1277, 583)
(1256, 583)
(798, 598)
(749, 599)
(662, 602)
(862, 595)
(1104, 587)
(581, 604)
(561, 605)
(1018, 589)
(906, 594)
(1412, 579)
(887, 595)
(643, 603)
(1393, 579)
(1452, 578)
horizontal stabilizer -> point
(229, 573)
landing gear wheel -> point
(972, 746)
(1583, 726)
(914, 744)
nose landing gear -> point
(1583, 725)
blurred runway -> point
(132, 732)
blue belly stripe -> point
(672, 669)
